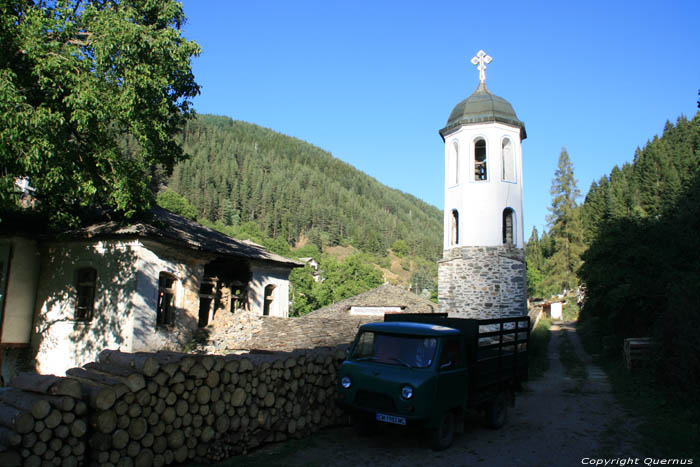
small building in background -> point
(314, 265)
(556, 310)
(553, 309)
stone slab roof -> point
(288, 334)
(333, 325)
(386, 295)
(170, 228)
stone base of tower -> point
(482, 282)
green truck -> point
(428, 370)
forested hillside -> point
(297, 200)
(240, 172)
(634, 247)
(642, 266)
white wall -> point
(125, 301)
(265, 274)
(480, 204)
(60, 342)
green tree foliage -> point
(566, 229)
(534, 259)
(307, 251)
(173, 202)
(343, 279)
(400, 248)
(241, 173)
(424, 278)
(340, 280)
(302, 294)
(252, 183)
(76, 79)
(593, 210)
(643, 265)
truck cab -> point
(425, 371)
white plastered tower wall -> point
(482, 272)
(480, 203)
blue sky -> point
(372, 82)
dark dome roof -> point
(482, 106)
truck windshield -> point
(394, 349)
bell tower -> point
(482, 271)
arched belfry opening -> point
(480, 160)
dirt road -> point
(557, 421)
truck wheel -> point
(497, 411)
(364, 426)
(441, 437)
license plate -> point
(391, 419)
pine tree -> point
(535, 262)
(566, 229)
(241, 173)
(593, 209)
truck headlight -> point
(346, 382)
(407, 392)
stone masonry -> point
(482, 282)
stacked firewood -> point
(274, 398)
(42, 422)
(154, 409)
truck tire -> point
(497, 411)
(442, 436)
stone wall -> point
(482, 282)
(155, 409)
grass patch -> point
(573, 365)
(537, 350)
(670, 427)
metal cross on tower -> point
(481, 60)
